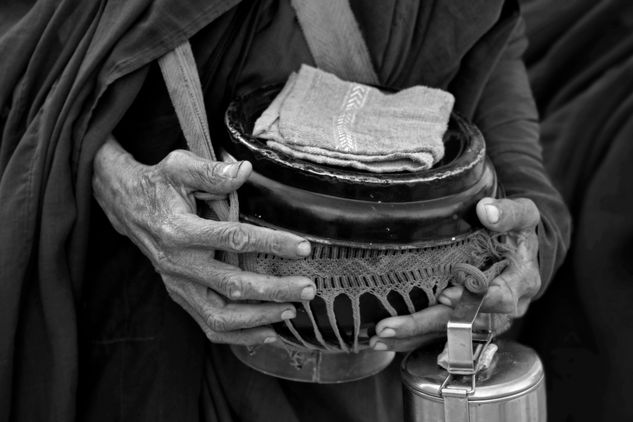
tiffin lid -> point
(516, 370)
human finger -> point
(511, 291)
(240, 237)
(246, 337)
(499, 298)
(223, 316)
(508, 293)
(205, 196)
(499, 323)
(197, 174)
(234, 283)
(450, 296)
(502, 215)
(430, 320)
(402, 344)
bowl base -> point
(283, 360)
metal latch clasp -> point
(464, 348)
(456, 398)
(463, 344)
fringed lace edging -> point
(354, 272)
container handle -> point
(461, 340)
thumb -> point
(197, 174)
(502, 215)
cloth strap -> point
(335, 40)
(185, 90)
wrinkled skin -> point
(155, 207)
(508, 296)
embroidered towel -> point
(320, 118)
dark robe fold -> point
(69, 70)
(581, 67)
(86, 324)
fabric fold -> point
(321, 118)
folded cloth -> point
(320, 118)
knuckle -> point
(249, 318)
(258, 320)
(528, 210)
(163, 262)
(205, 174)
(218, 323)
(178, 226)
(238, 239)
(212, 170)
(174, 159)
(507, 213)
(213, 336)
(529, 205)
(275, 244)
(170, 233)
(228, 284)
(274, 294)
(165, 232)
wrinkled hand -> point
(155, 207)
(508, 296)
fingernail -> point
(288, 314)
(303, 248)
(444, 301)
(387, 332)
(270, 340)
(230, 170)
(308, 293)
(380, 346)
(492, 213)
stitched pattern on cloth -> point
(354, 101)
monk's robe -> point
(581, 64)
(90, 330)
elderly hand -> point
(155, 207)
(508, 296)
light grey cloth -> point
(320, 118)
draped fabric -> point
(86, 327)
(580, 63)
(69, 70)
